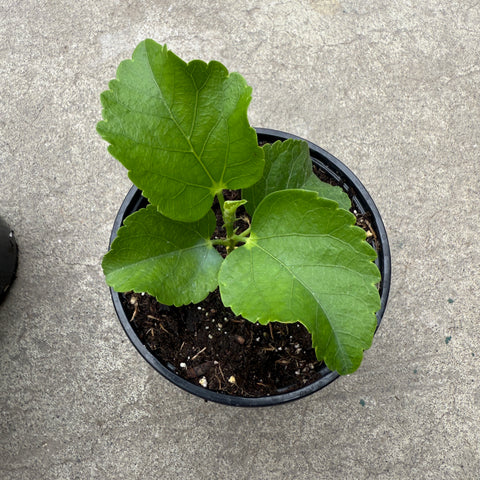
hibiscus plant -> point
(181, 130)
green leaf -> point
(180, 129)
(288, 165)
(231, 206)
(306, 261)
(326, 190)
(173, 261)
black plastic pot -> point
(362, 202)
(8, 258)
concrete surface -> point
(392, 89)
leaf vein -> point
(143, 261)
(174, 118)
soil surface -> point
(209, 345)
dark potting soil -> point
(209, 345)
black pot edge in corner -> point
(8, 258)
(363, 202)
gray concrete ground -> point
(392, 89)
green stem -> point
(229, 217)
(239, 238)
(219, 241)
(221, 201)
(229, 242)
(229, 210)
(244, 234)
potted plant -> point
(239, 219)
(8, 258)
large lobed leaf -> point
(180, 129)
(306, 261)
(173, 261)
(288, 165)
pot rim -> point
(9, 258)
(363, 203)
